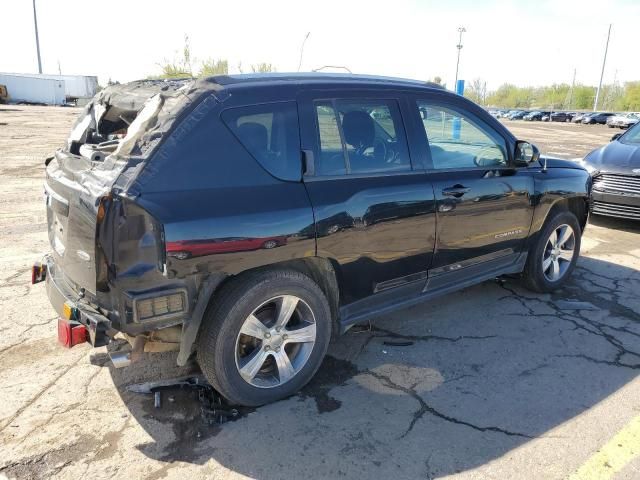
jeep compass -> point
(244, 220)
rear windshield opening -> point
(95, 140)
(118, 115)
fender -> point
(559, 188)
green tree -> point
(477, 91)
(583, 97)
(630, 101)
(510, 96)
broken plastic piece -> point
(213, 407)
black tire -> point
(534, 276)
(216, 348)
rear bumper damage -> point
(73, 308)
(61, 294)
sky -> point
(527, 43)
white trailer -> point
(76, 86)
(33, 89)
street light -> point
(35, 23)
(461, 30)
(302, 49)
(604, 62)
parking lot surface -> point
(492, 382)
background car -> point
(630, 120)
(517, 115)
(561, 116)
(579, 116)
(535, 115)
(615, 170)
(622, 120)
(597, 118)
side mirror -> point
(616, 137)
(526, 153)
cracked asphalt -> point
(491, 382)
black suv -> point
(244, 220)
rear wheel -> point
(554, 255)
(265, 337)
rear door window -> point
(361, 137)
(270, 133)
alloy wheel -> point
(275, 341)
(558, 253)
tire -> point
(536, 276)
(221, 344)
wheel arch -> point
(322, 271)
(578, 205)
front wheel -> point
(265, 337)
(554, 255)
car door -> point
(483, 202)
(373, 204)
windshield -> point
(632, 135)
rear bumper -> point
(60, 293)
(613, 205)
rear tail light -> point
(38, 273)
(71, 333)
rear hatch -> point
(111, 138)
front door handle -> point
(455, 191)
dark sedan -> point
(561, 116)
(535, 116)
(615, 169)
(517, 115)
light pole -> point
(459, 46)
(35, 23)
(302, 49)
(604, 62)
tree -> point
(477, 91)
(438, 81)
(583, 97)
(262, 67)
(631, 98)
(510, 96)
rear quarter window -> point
(270, 134)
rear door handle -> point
(455, 191)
